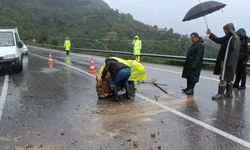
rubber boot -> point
(242, 87)
(115, 93)
(184, 90)
(229, 91)
(132, 89)
(190, 87)
(187, 88)
(243, 82)
(127, 91)
(236, 83)
(220, 95)
(236, 86)
(190, 92)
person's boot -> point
(115, 93)
(243, 84)
(127, 91)
(190, 92)
(242, 87)
(229, 91)
(185, 90)
(236, 86)
(220, 95)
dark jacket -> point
(227, 71)
(193, 63)
(113, 67)
(244, 53)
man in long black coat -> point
(227, 60)
(193, 63)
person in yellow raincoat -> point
(137, 70)
(67, 46)
(137, 44)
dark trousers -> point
(190, 84)
(241, 74)
(67, 52)
(121, 78)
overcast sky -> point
(169, 13)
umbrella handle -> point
(206, 21)
(204, 17)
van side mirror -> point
(20, 44)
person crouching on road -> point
(241, 72)
(193, 63)
(120, 74)
(138, 73)
(67, 46)
(227, 60)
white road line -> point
(181, 115)
(198, 122)
(179, 73)
(4, 94)
(176, 72)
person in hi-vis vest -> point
(137, 44)
(67, 45)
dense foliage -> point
(89, 24)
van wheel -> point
(19, 66)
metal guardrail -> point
(159, 56)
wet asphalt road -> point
(58, 108)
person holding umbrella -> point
(193, 63)
(227, 60)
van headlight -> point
(11, 56)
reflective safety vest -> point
(67, 45)
(137, 46)
(138, 72)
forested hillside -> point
(89, 24)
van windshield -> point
(6, 39)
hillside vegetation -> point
(89, 24)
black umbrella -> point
(202, 9)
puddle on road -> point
(120, 122)
(179, 102)
(116, 119)
(49, 70)
(122, 115)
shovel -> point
(153, 81)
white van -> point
(11, 54)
